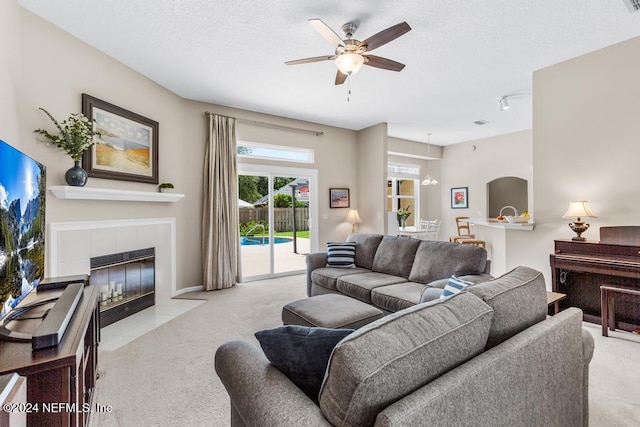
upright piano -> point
(580, 268)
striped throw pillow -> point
(454, 286)
(341, 254)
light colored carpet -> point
(167, 378)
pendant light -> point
(428, 180)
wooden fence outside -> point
(282, 217)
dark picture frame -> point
(460, 198)
(339, 198)
(127, 150)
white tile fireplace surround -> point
(71, 245)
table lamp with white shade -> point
(579, 210)
(354, 219)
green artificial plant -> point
(76, 134)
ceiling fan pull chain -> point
(349, 88)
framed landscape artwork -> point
(338, 197)
(459, 198)
(127, 148)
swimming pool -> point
(257, 240)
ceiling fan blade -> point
(340, 77)
(384, 63)
(326, 32)
(385, 36)
(308, 60)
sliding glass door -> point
(254, 225)
(277, 211)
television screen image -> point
(22, 225)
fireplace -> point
(126, 281)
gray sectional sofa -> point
(488, 356)
(394, 273)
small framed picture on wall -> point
(460, 198)
(338, 197)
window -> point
(256, 150)
(403, 190)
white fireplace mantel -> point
(88, 193)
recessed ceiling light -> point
(481, 122)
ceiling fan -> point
(350, 53)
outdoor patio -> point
(255, 258)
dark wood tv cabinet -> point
(60, 379)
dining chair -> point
(464, 229)
(433, 229)
(474, 242)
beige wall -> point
(586, 144)
(56, 69)
(583, 146)
(52, 69)
(372, 178)
(333, 170)
(10, 24)
(474, 164)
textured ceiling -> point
(460, 55)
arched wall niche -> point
(507, 191)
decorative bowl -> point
(518, 219)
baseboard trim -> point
(187, 290)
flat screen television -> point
(22, 225)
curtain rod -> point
(275, 126)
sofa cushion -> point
(454, 285)
(330, 311)
(366, 247)
(395, 255)
(360, 285)
(301, 353)
(440, 260)
(341, 255)
(327, 277)
(518, 299)
(391, 357)
(397, 297)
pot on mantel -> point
(76, 176)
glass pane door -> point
(274, 211)
(253, 206)
(290, 223)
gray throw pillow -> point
(301, 353)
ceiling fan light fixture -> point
(349, 63)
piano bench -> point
(607, 306)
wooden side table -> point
(555, 298)
(607, 306)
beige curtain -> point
(220, 223)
